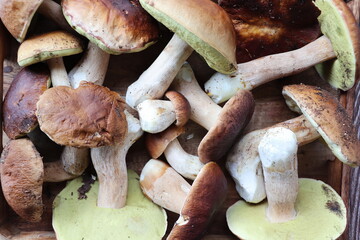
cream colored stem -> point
(251, 74)
(91, 68)
(53, 11)
(153, 83)
(59, 76)
(75, 160)
(203, 110)
(54, 172)
(185, 164)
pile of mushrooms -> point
(91, 121)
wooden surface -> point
(315, 160)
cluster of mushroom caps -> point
(93, 122)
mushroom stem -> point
(110, 165)
(91, 68)
(75, 160)
(249, 75)
(277, 151)
(59, 76)
(153, 83)
(54, 172)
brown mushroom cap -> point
(89, 116)
(157, 143)
(48, 45)
(20, 100)
(17, 15)
(329, 118)
(206, 195)
(115, 26)
(22, 178)
(233, 118)
(181, 105)
(268, 27)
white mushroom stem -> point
(91, 68)
(249, 75)
(59, 76)
(203, 110)
(153, 83)
(187, 165)
(110, 165)
(156, 115)
(164, 186)
(75, 160)
(243, 161)
(278, 154)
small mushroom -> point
(199, 25)
(206, 195)
(223, 124)
(295, 208)
(75, 218)
(339, 44)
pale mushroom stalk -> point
(110, 165)
(59, 76)
(153, 83)
(54, 172)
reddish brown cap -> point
(181, 105)
(206, 195)
(265, 27)
(22, 178)
(20, 100)
(157, 143)
(89, 116)
(115, 26)
(233, 118)
(329, 118)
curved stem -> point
(59, 76)
(53, 11)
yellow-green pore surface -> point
(82, 220)
(213, 57)
(339, 72)
(321, 214)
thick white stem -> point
(203, 110)
(251, 74)
(153, 83)
(185, 164)
(75, 160)
(59, 76)
(91, 68)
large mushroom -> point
(200, 25)
(295, 208)
(340, 45)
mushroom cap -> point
(321, 214)
(329, 118)
(22, 174)
(115, 26)
(88, 116)
(233, 118)
(82, 219)
(157, 143)
(48, 45)
(265, 27)
(339, 25)
(204, 25)
(206, 195)
(20, 100)
(181, 106)
(17, 15)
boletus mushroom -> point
(295, 208)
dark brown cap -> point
(20, 100)
(89, 116)
(181, 105)
(206, 195)
(22, 174)
(233, 118)
(329, 118)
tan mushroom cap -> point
(206, 195)
(233, 118)
(48, 45)
(20, 100)
(181, 105)
(329, 118)
(17, 15)
(22, 178)
(89, 116)
(157, 143)
(115, 26)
